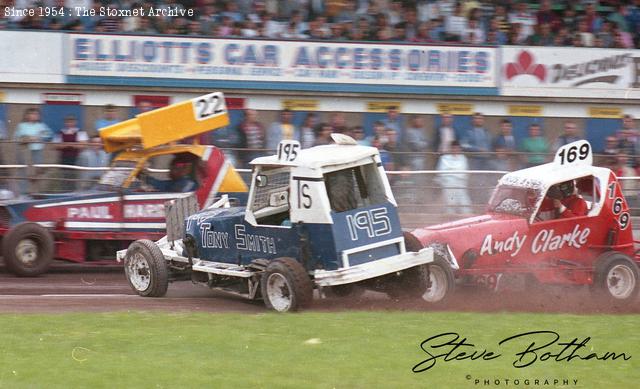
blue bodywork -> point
(223, 235)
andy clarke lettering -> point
(535, 346)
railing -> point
(421, 195)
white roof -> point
(543, 176)
(321, 156)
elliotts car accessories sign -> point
(570, 72)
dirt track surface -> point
(78, 289)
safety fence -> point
(424, 196)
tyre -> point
(441, 281)
(286, 286)
(432, 282)
(28, 250)
(146, 269)
(615, 278)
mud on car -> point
(521, 240)
(89, 226)
(323, 218)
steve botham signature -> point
(537, 346)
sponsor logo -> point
(254, 242)
(95, 212)
(545, 240)
(135, 211)
(525, 64)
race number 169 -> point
(573, 153)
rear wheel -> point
(285, 285)
(616, 278)
(146, 269)
(28, 250)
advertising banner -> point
(570, 72)
(262, 64)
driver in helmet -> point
(181, 171)
(566, 201)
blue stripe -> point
(269, 85)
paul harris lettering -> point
(534, 346)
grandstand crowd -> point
(609, 24)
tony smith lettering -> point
(534, 347)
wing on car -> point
(168, 124)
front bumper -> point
(373, 269)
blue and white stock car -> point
(322, 217)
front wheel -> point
(616, 278)
(28, 250)
(440, 283)
(286, 286)
(146, 269)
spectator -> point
(620, 17)
(477, 140)
(505, 147)
(502, 19)
(569, 135)
(535, 145)
(454, 185)
(455, 24)
(281, 130)
(4, 135)
(610, 147)
(543, 36)
(591, 17)
(545, 15)
(92, 156)
(392, 146)
(445, 134)
(338, 122)
(621, 166)
(379, 134)
(416, 142)
(252, 136)
(628, 140)
(473, 34)
(394, 121)
(307, 131)
(108, 118)
(605, 35)
(70, 133)
(324, 135)
(33, 131)
(586, 36)
(495, 34)
(523, 17)
(358, 134)
(423, 34)
(569, 18)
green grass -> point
(356, 350)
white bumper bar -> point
(373, 269)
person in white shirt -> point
(454, 185)
(525, 18)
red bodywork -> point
(561, 251)
(113, 219)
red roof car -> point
(584, 237)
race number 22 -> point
(208, 106)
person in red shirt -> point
(562, 201)
(566, 201)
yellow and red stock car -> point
(121, 208)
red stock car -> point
(522, 238)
